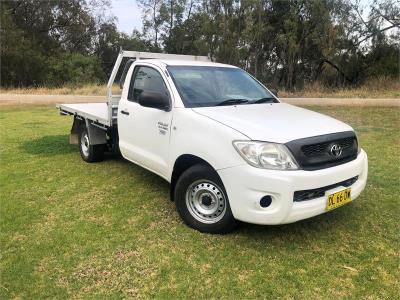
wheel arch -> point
(182, 163)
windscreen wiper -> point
(232, 101)
(265, 100)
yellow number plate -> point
(338, 199)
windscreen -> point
(201, 86)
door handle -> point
(125, 112)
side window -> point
(145, 79)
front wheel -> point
(202, 202)
(89, 153)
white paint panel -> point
(92, 111)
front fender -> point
(205, 138)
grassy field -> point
(375, 88)
(108, 230)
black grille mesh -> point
(320, 192)
(319, 148)
(313, 153)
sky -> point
(128, 14)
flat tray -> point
(93, 111)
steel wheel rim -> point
(205, 201)
(85, 144)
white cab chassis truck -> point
(230, 149)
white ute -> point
(229, 148)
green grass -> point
(108, 230)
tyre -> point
(201, 200)
(89, 153)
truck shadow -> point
(56, 145)
(49, 145)
(311, 228)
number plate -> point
(338, 199)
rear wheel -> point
(89, 153)
(202, 202)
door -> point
(143, 131)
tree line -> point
(285, 43)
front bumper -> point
(246, 185)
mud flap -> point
(74, 135)
(97, 136)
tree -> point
(152, 20)
(284, 43)
(33, 33)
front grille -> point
(320, 192)
(320, 148)
(314, 153)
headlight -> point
(266, 155)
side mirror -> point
(154, 100)
(274, 91)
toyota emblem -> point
(336, 150)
